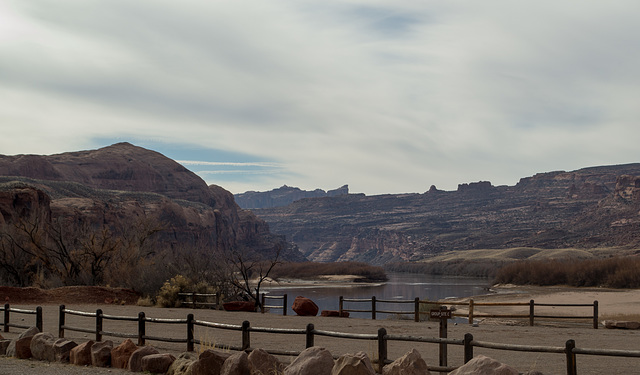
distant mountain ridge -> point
(283, 196)
(587, 208)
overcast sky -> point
(387, 96)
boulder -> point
(12, 349)
(101, 353)
(239, 306)
(485, 366)
(121, 353)
(263, 363)
(135, 361)
(236, 364)
(81, 354)
(4, 344)
(42, 347)
(409, 364)
(62, 349)
(157, 363)
(304, 306)
(209, 362)
(312, 361)
(622, 324)
(336, 313)
(23, 348)
(353, 364)
(182, 364)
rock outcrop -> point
(588, 208)
(124, 186)
(283, 196)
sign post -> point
(443, 315)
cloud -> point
(387, 96)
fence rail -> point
(283, 306)
(6, 322)
(194, 303)
(471, 314)
(381, 337)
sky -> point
(387, 96)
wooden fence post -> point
(310, 338)
(416, 309)
(468, 348)
(373, 308)
(190, 333)
(6, 317)
(595, 314)
(141, 328)
(572, 368)
(218, 305)
(246, 337)
(284, 305)
(193, 299)
(340, 305)
(382, 348)
(531, 312)
(471, 311)
(39, 318)
(61, 322)
(443, 335)
(262, 298)
(98, 325)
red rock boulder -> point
(239, 306)
(344, 314)
(304, 306)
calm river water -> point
(401, 286)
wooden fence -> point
(381, 337)
(196, 300)
(417, 312)
(6, 323)
(283, 307)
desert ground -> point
(612, 304)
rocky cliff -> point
(587, 208)
(124, 181)
(283, 196)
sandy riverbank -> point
(506, 331)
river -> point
(400, 286)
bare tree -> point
(248, 270)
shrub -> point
(618, 272)
(169, 293)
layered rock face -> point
(587, 208)
(283, 196)
(123, 181)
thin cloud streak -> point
(224, 163)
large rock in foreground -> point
(485, 366)
(312, 361)
(353, 364)
(409, 364)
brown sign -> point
(440, 314)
